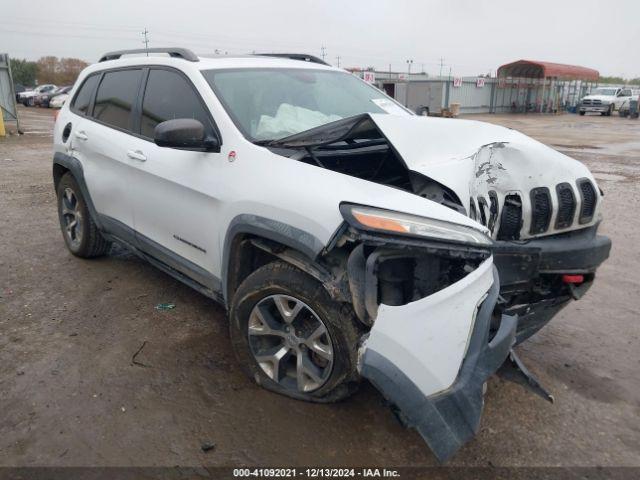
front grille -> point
(566, 205)
(511, 218)
(589, 199)
(586, 102)
(540, 210)
(561, 207)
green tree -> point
(23, 71)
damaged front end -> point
(444, 303)
(435, 334)
(541, 208)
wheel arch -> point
(62, 164)
(252, 241)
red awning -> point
(534, 69)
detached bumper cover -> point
(448, 418)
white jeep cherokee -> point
(346, 236)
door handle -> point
(136, 155)
(81, 136)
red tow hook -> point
(573, 279)
(573, 282)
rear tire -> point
(79, 230)
(582, 113)
(264, 339)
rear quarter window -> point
(83, 98)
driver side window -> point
(168, 95)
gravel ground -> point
(71, 396)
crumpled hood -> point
(474, 158)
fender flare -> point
(299, 240)
(73, 165)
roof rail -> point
(183, 53)
(295, 56)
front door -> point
(175, 195)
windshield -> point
(273, 103)
(604, 91)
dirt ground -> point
(71, 396)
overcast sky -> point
(472, 36)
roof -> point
(537, 69)
(181, 56)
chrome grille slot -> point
(511, 218)
(589, 200)
(540, 210)
(482, 206)
(493, 210)
(566, 205)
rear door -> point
(104, 141)
(174, 208)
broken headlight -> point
(385, 221)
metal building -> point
(522, 86)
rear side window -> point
(85, 94)
(116, 96)
(169, 95)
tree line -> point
(620, 80)
(59, 71)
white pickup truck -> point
(605, 100)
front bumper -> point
(595, 108)
(432, 357)
(530, 267)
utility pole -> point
(406, 93)
(441, 65)
(146, 40)
(338, 59)
(324, 52)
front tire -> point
(79, 230)
(291, 337)
(611, 109)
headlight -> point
(386, 221)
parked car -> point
(605, 100)
(43, 99)
(625, 107)
(347, 237)
(27, 98)
(58, 100)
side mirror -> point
(184, 133)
